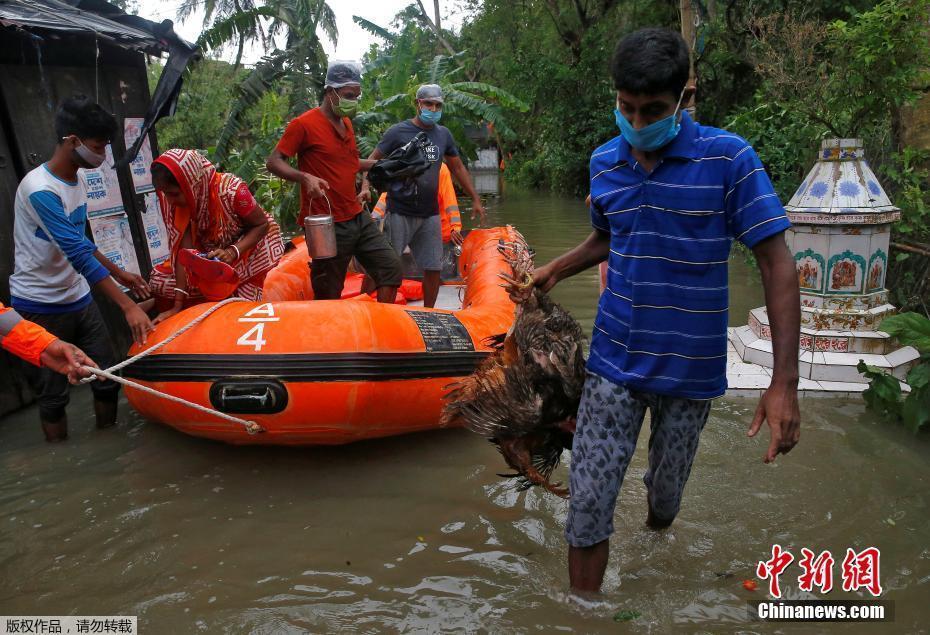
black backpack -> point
(397, 173)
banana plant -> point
(297, 69)
(400, 64)
(217, 11)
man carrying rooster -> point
(668, 197)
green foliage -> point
(539, 71)
(626, 615)
(297, 69)
(884, 392)
(842, 79)
(202, 105)
(374, 29)
(240, 25)
(233, 21)
(249, 92)
(237, 117)
(784, 138)
(906, 175)
(879, 60)
(405, 60)
(554, 55)
(267, 120)
(280, 197)
(910, 329)
(821, 74)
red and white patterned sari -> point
(216, 203)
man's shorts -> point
(422, 235)
(359, 237)
(609, 420)
(85, 329)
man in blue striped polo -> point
(668, 197)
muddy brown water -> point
(418, 534)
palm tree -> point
(405, 61)
(216, 11)
(298, 69)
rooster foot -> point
(517, 288)
(525, 283)
(518, 457)
(537, 479)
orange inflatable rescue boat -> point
(325, 371)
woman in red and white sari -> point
(213, 213)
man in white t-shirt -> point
(56, 264)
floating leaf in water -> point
(750, 585)
(626, 616)
(890, 521)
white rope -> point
(250, 426)
(200, 318)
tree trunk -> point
(914, 124)
(688, 33)
(241, 41)
(436, 12)
(239, 53)
(434, 27)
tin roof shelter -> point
(49, 50)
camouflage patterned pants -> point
(609, 420)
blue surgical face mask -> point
(655, 135)
(429, 117)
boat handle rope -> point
(250, 426)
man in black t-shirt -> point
(412, 208)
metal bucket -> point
(321, 235)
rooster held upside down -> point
(523, 398)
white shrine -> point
(841, 221)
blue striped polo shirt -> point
(661, 324)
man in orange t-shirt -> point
(323, 141)
(29, 341)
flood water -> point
(418, 534)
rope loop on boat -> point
(250, 426)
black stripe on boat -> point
(298, 367)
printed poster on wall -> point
(103, 194)
(109, 224)
(114, 240)
(155, 232)
(141, 165)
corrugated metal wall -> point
(35, 75)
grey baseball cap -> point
(431, 92)
(341, 74)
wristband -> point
(238, 255)
(176, 290)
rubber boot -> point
(55, 431)
(105, 412)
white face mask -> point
(93, 159)
(88, 156)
